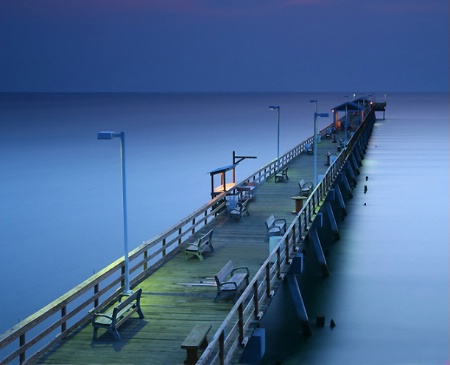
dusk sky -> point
(224, 45)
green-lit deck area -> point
(181, 293)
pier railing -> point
(232, 336)
(35, 335)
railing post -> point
(305, 219)
(95, 293)
(314, 198)
(311, 203)
(286, 248)
(122, 274)
(222, 348)
(179, 236)
(268, 287)
(255, 299)
(241, 323)
(294, 236)
(145, 259)
(63, 314)
(22, 343)
(279, 262)
(193, 226)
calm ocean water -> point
(61, 217)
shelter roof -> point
(222, 169)
(363, 99)
(348, 106)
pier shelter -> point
(223, 187)
(353, 115)
(222, 172)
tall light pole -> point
(316, 114)
(346, 120)
(277, 108)
(121, 135)
(315, 142)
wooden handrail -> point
(224, 342)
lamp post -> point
(346, 120)
(121, 135)
(315, 142)
(277, 108)
(316, 114)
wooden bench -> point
(196, 248)
(115, 317)
(229, 281)
(275, 227)
(196, 339)
(305, 187)
(281, 175)
(240, 209)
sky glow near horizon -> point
(223, 46)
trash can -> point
(328, 155)
(298, 203)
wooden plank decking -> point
(180, 294)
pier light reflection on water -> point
(388, 290)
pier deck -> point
(181, 293)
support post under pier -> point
(354, 163)
(346, 183)
(340, 199)
(299, 305)
(332, 220)
(349, 169)
(359, 154)
(314, 236)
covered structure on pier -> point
(353, 114)
(221, 171)
(224, 186)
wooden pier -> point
(178, 293)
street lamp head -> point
(323, 115)
(313, 101)
(105, 135)
(272, 107)
(108, 135)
